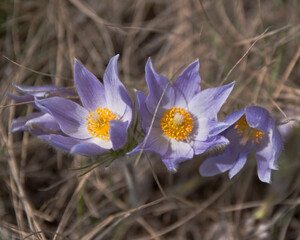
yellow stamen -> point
(98, 122)
(246, 132)
(177, 123)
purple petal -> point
(263, 169)
(156, 142)
(44, 124)
(188, 83)
(20, 98)
(178, 152)
(268, 156)
(209, 101)
(19, 123)
(145, 115)
(276, 139)
(118, 133)
(65, 143)
(117, 97)
(156, 85)
(211, 144)
(89, 88)
(228, 122)
(219, 163)
(88, 147)
(203, 127)
(38, 91)
(239, 164)
(70, 116)
(259, 118)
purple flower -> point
(101, 123)
(184, 118)
(248, 130)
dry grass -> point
(256, 43)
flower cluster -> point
(179, 120)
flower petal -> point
(145, 115)
(219, 163)
(44, 124)
(88, 147)
(117, 97)
(118, 133)
(69, 115)
(228, 122)
(267, 157)
(263, 169)
(259, 118)
(89, 88)
(20, 98)
(209, 101)
(239, 164)
(178, 152)
(19, 123)
(203, 127)
(156, 85)
(211, 144)
(156, 142)
(188, 83)
(37, 91)
(65, 143)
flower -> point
(101, 123)
(184, 117)
(248, 130)
(37, 123)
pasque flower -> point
(248, 130)
(182, 115)
(101, 122)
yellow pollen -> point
(177, 123)
(246, 132)
(98, 122)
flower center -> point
(246, 132)
(177, 123)
(98, 122)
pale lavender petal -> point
(88, 148)
(209, 101)
(39, 91)
(65, 143)
(156, 142)
(118, 133)
(239, 164)
(70, 116)
(203, 127)
(259, 118)
(188, 83)
(20, 98)
(263, 168)
(128, 112)
(267, 157)
(145, 115)
(89, 88)
(117, 97)
(219, 163)
(19, 123)
(44, 124)
(178, 152)
(211, 144)
(156, 85)
(276, 139)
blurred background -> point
(255, 43)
